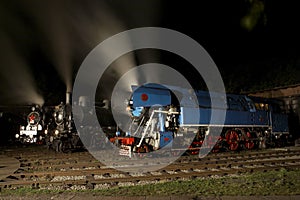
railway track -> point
(44, 169)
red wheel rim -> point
(232, 139)
(249, 144)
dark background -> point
(254, 43)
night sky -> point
(43, 43)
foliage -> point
(255, 14)
(263, 75)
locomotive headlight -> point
(60, 117)
(46, 132)
(17, 136)
(56, 132)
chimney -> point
(68, 97)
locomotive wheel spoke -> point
(232, 139)
(249, 144)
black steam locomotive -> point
(63, 136)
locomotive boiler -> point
(160, 118)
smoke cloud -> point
(64, 32)
(18, 86)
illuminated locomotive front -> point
(32, 132)
(161, 118)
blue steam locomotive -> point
(162, 116)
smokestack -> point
(68, 97)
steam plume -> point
(18, 86)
